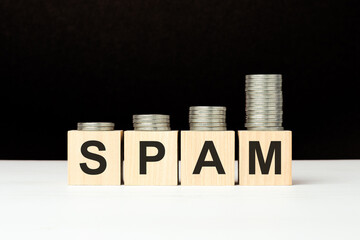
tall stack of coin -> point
(264, 102)
(95, 126)
(151, 122)
(207, 118)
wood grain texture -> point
(265, 138)
(163, 172)
(192, 143)
(112, 142)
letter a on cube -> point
(207, 158)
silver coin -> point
(250, 101)
(249, 89)
(207, 124)
(203, 121)
(264, 117)
(269, 99)
(263, 124)
(262, 113)
(267, 111)
(264, 98)
(265, 128)
(263, 84)
(152, 129)
(263, 101)
(251, 119)
(95, 126)
(151, 116)
(207, 118)
(207, 108)
(264, 89)
(151, 124)
(207, 115)
(258, 112)
(263, 104)
(263, 81)
(264, 95)
(96, 129)
(265, 107)
(202, 110)
(258, 104)
(258, 91)
(151, 120)
(274, 116)
(262, 76)
(208, 129)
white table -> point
(323, 203)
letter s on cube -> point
(94, 157)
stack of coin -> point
(95, 126)
(264, 102)
(207, 118)
(151, 122)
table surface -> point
(323, 203)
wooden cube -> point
(207, 158)
(151, 158)
(94, 157)
(265, 157)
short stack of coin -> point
(95, 126)
(207, 118)
(151, 122)
(264, 102)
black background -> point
(68, 61)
